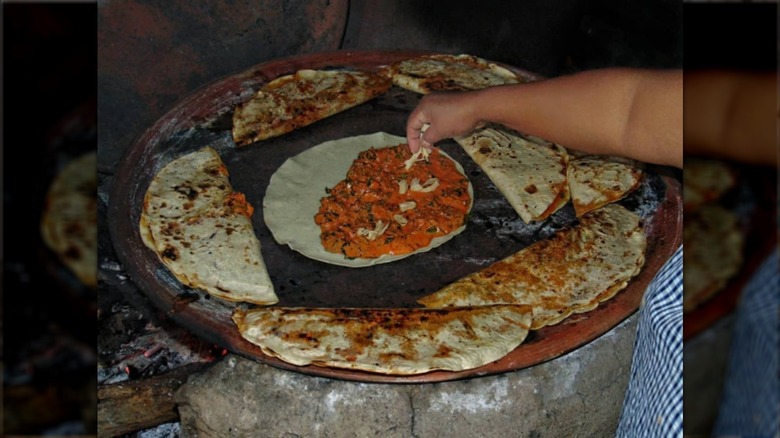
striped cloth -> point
(653, 406)
(750, 405)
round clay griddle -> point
(493, 231)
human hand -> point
(439, 116)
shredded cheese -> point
(403, 186)
(420, 155)
(426, 187)
(378, 230)
(400, 219)
(408, 205)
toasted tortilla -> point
(595, 181)
(706, 180)
(571, 272)
(530, 175)
(387, 341)
(201, 230)
(714, 246)
(69, 220)
(294, 101)
(443, 72)
(292, 198)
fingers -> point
(419, 132)
(417, 138)
(438, 116)
(414, 129)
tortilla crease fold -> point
(387, 341)
(571, 272)
(530, 175)
(201, 230)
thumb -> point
(430, 135)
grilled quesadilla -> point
(69, 220)
(530, 175)
(571, 272)
(294, 198)
(714, 245)
(442, 72)
(294, 101)
(388, 341)
(595, 181)
(201, 230)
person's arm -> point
(731, 115)
(629, 112)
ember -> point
(131, 348)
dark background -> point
(742, 37)
(731, 36)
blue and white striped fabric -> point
(750, 406)
(653, 406)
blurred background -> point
(48, 312)
(731, 292)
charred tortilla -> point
(429, 73)
(387, 341)
(201, 230)
(571, 272)
(297, 100)
(530, 175)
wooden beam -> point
(140, 404)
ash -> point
(167, 430)
(130, 346)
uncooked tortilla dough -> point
(296, 188)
